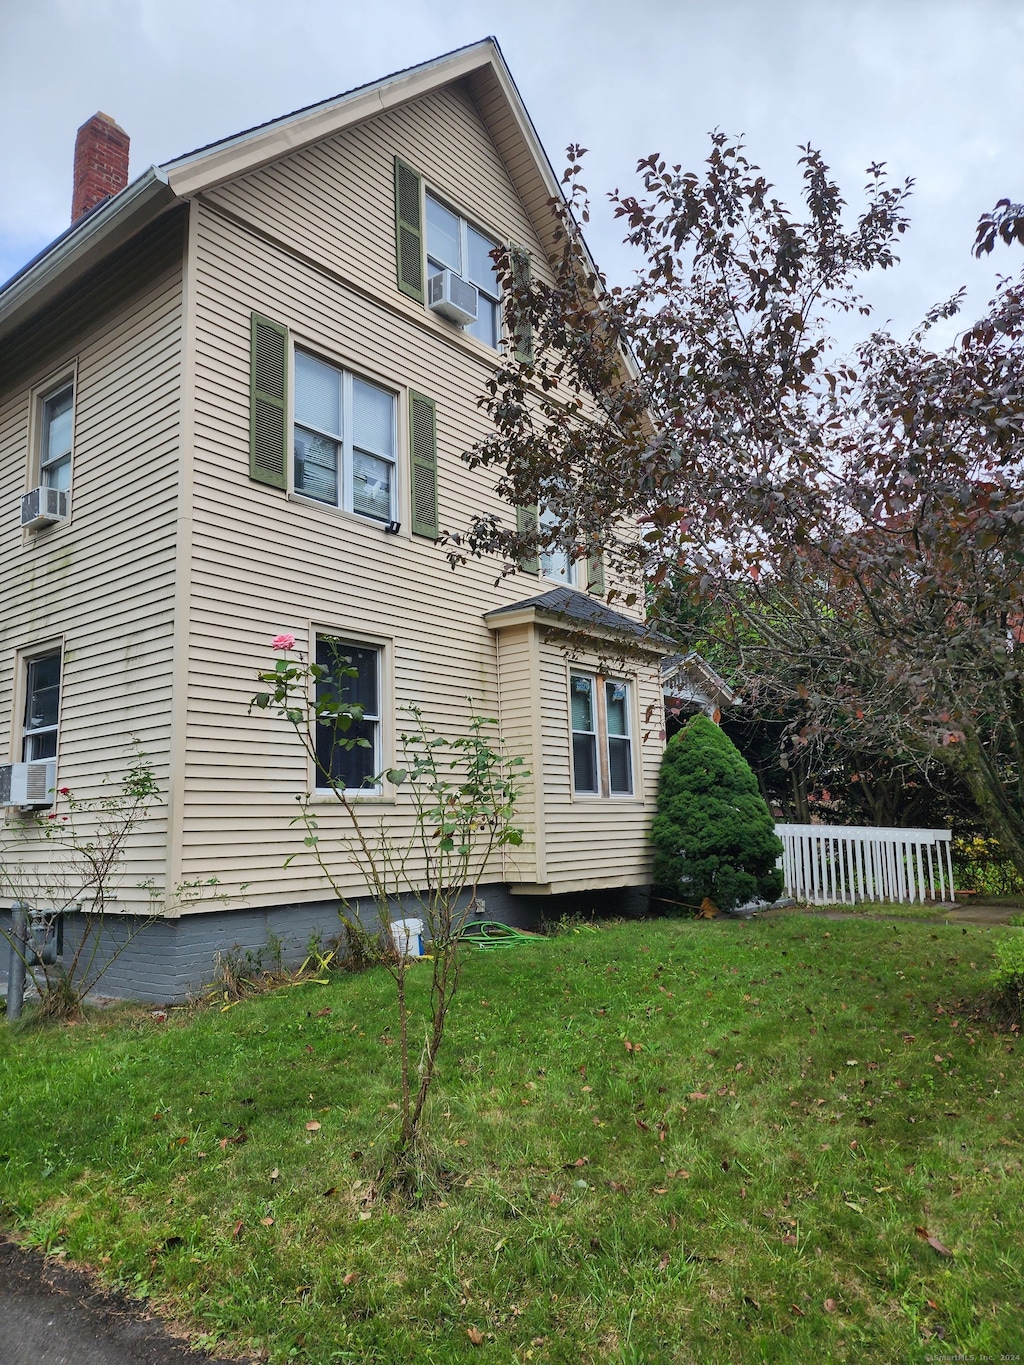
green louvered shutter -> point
(526, 525)
(520, 278)
(595, 574)
(423, 450)
(268, 402)
(409, 230)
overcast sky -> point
(932, 87)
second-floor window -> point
(454, 244)
(344, 440)
(42, 707)
(555, 562)
(58, 411)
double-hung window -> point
(42, 707)
(345, 440)
(602, 744)
(58, 410)
(555, 562)
(454, 244)
(354, 676)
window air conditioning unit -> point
(43, 507)
(453, 297)
(28, 785)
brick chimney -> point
(101, 163)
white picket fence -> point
(843, 864)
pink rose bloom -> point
(283, 642)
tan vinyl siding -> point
(309, 243)
(334, 201)
(520, 728)
(103, 582)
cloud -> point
(930, 86)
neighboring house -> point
(690, 685)
(237, 405)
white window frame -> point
(378, 762)
(27, 734)
(627, 738)
(602, 739)
(551, 560)
(463, 271)
(593, 734)
(55, 383)
(345, 439)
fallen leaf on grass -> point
(237, 1232)
(789, 1240)
(331, 1189)
(475, 1336)
(236, 1139)
(312, 1126)
(275, 1174)
(267, 1222)
(698, 1095)
(933, 1242)
(351, 1277)
(830, 1305)
(798, 1311)
(681, 1174)
(365, 1216)
(663, 1263)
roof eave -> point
(248, 152)
(637, 636)
(84, 246)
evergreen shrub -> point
(714, 835)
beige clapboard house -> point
(234, 398)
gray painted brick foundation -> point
(171, 960)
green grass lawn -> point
(755, 1177)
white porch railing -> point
(843, 864)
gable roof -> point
(98, 233)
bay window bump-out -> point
(354, 671)
(602, 735)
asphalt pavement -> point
(53, 1314)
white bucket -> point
(408, 937)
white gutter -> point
(82, 246)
